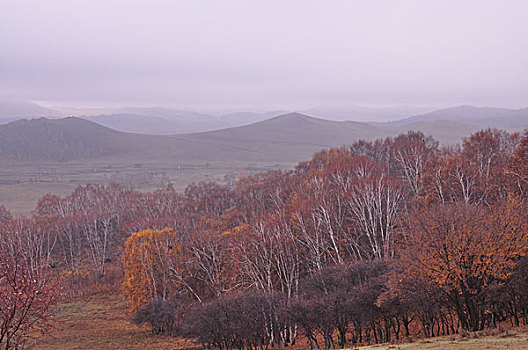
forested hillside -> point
(378, 241)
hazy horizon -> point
(237, 55)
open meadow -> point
(103, 322)
(22, 184)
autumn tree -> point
(347, 208)
(518, 166)
(209, 266)
(152, 264)
(235, 321)
(89, 221)
(319, 209)
(411, 152)
(375, 202)
(36, 235)
(4, 214)
(413, 297)
(27, 293)
(476, 173)
(517, 292)
(464, 249)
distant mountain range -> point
(13, 110)
(142, 120)
(179, 135)
(159, 121)
(288, 138)
(482, 117)
(365, 113)
(167, 121)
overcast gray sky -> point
(266, 54)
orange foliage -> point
(152, 263)
(464, 249)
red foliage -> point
(27, 293)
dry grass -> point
(102, 322)
(514, 340)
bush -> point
(161, 315)
(244, 320)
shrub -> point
(160, 315)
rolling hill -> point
(365, 113)
(161, 121)
(169, 121)
(13, 110)
(245, 118)
(288, 138)
(136, 123)
(61, 139)
(482, 117)
(158, 121)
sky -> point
(264, 54)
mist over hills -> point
(287, 138)
(142, 120)
(179, 135)
(136, 123)
(245, 118)
(366, 113)
(482, 117)
(169, 121)
(13, 110)
(161, 121)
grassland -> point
(22, 184)
(514, 340)
(102, 322)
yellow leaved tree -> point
(464, 249)
(152, 264)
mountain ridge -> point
(483, 117)
(291, 137)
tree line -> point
(368, 243)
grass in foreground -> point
(514, 340)
(102, 322)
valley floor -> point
(102, 322)
(22, 184)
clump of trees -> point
(243, 320)
(28, 289)
(369, 243)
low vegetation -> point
(379, 242)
